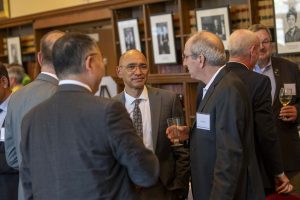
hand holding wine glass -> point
(173, 124)
(285, 97)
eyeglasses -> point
(185, 56)
(130, 68)
(265, 42)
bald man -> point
(244, 50)
(156, 105)
(223, 162)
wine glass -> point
(285, 97)
(174, 123)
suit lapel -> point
(155, 107)
(211, 89)
(278, 81)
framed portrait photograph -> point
(163, 39)
(215, 20)
(14, 50)
(129, 35)
(4, 9)
(287, 20)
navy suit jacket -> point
(287, 72)
(223, 162)
(267, 143)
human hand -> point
(183, 133)
(288, 113)
(282, 184)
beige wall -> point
(25, 7)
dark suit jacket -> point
(78, 146)
(223, 162)
(174, 162)
(287, 72)
(267, 143)
(9, 178)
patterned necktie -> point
(137, 118)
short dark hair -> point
(292, 11)
(4, 73)
(70, 51)
(46, 46)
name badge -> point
(203, 121)
(290, 86)
(2, 135)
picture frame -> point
(14, 50)
(163, 39)
(129, 35)
(215, 20)
(287, 26)
(4, 9)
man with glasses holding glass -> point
(283, 74)
(155, 106)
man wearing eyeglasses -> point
(283, 74)
(155, 105)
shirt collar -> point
(212, 79)
(74, 82)
(261, 70)
(50, 74)
(131, 99)
(4, 104)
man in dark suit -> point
(244, 50)
(223, 162)
(31, 95)
(283, 74)
(86, 144)
(9, 177)
(156, 106)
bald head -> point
(210, 46)
(241, 41)
(130, 54)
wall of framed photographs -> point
(159, 28)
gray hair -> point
(210, 46)
(258, 27)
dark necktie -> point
(137, 118)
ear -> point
(201, 60)
(4, 82)
(119, 72)
(89, 64)
(40, 58)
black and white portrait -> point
(163, 38)
(14, 50)
(293, 31)
(214, 24)
(129, 38)
(129, 35)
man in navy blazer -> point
(79, 146)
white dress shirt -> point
(146, 115)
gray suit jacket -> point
(174, 162)
(85, 148)
(223, 162)
(20, 103)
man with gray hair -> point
(223, 162)
(244, 50)
(15, 74)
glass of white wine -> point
(174, 123)
(285, 97)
